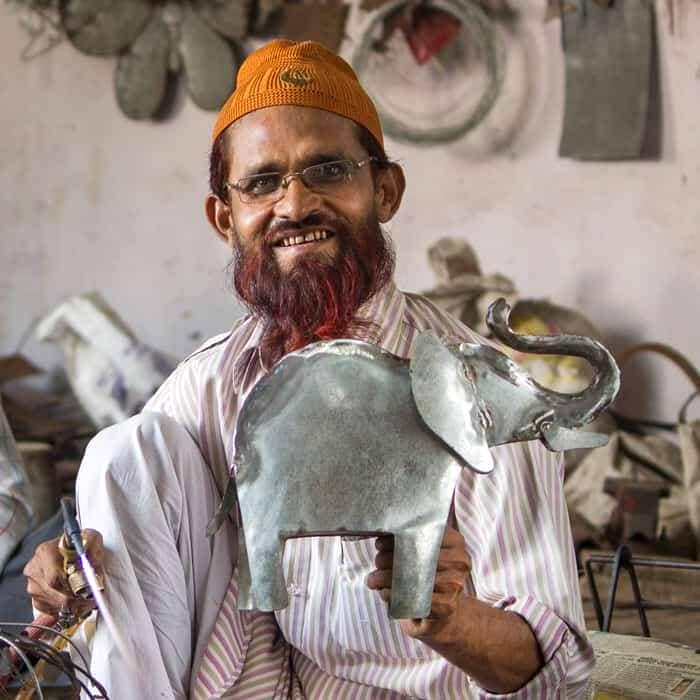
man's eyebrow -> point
(269, 166)
(317, 158)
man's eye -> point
(260, 184)
(331, 171)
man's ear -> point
(219, 216)
(390, 184)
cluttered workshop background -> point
(93, 200)
(552, 151)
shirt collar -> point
(383, 313)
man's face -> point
(290, 138)
(305, 260)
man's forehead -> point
(290, 130)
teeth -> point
(312, 236)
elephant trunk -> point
(587, 404)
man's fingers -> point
(452, 538)
(453, 560)
(47, 583)
(384, 560)
(449, 582)
(385, 543)
(47, 600)
(443, 605)
(378, 579)
(45, 619)
(46, 557)
(94, 546)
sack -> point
(668, 453)
(110, 371)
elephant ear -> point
(446, 401)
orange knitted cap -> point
(298, 73)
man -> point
(300, 186)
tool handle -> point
(70, 525)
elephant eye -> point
(469, 373)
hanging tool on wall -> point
(434, 68)
(609, 53)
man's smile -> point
(303, 238)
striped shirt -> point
(335, 638)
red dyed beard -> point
(318, 298)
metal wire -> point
(28, 648)
(481, 29)
(25, 660)
(52, 630)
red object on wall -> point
(428, 30)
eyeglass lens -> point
(316, 177)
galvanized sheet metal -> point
(344, 438)
(142, 73)
(227, 17)
(331, 443)
(104, 27)
(608, 54)
(208, 61)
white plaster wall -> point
(91, 200)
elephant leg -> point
(415, 562)
(269, 590)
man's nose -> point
(297, 201)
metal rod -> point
(623, 558)
(658, 605)
(608, 558)
(612, 592)
(637, 595)
(594, 594)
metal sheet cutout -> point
(608, 51)
(229, 18)
(343, 438)
(208, 62)
(142, 73)
(104, 27)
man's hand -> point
(495, 647)
(453, 570)
(47, 584)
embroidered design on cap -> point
(295, 76)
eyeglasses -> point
(266, 188)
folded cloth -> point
(15, 499)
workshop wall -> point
(91, 200)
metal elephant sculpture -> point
(343, 438)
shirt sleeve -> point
(15, 501)
(192, 397)
(516, 528)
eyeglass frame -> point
(284, 183)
